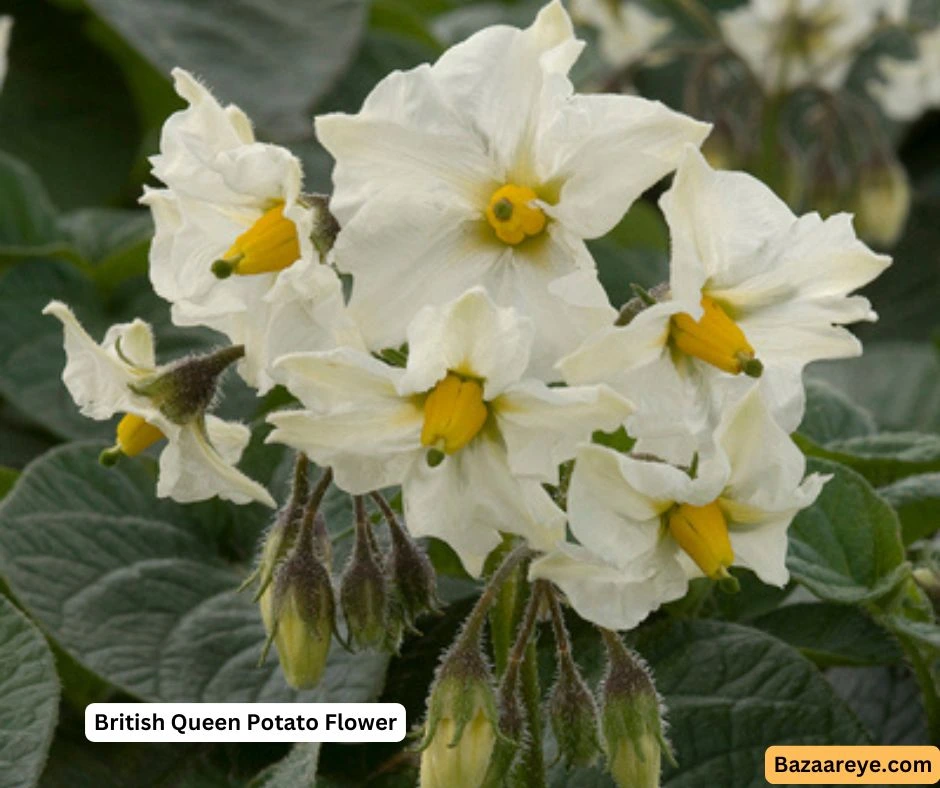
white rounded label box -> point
(245, 722)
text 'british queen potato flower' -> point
(238, 247)
(646, 527)
(121, 376)
(754, 291)
(486, 169)
(467, 434)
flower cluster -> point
(478, 362)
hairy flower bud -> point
(573, 715)
(325, 227)
(460, 731)
(363, 589)
(298, 611)
(186, 389)
(631, 720)
(414, 583)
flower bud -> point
(363, 591)
(414, 583)
(460, 732)
(883, 201)
(928, 580)
(186, 389)
(631, 720)
(298, 611)
(573, 715)
(325, 227)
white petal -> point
(6, 25)
(96, 377)
(606, 151)
(500, 78)
(471, 336)
(198, 464)
(718, 222)
(472, 496)
(606, 594)
(543, 426)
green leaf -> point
(831, 415)
(65, 108)
(8, 477)
(729, 692)
(29, 698)
(886, 700)
(882, 458)
(275, 60)
(898, 382)
(634, 252)
(136, 588)
(846, 547)
(111, 244)
(916, 499)
(28, 219)
(299, 768)
(831, 634)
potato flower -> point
(754, 291)
(788, 43)
(911, 87)
(485, 169)
(626, 29)
(646, 527)
(466, 434)
(168, 402)
(235, 238)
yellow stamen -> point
(512, 215)
(702, 532)
(134, 435)
(454, 412)
(270, 244)
(716, 339)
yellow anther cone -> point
(512, 216)
(702, 532)
(454, 412)
(270, 244)
(134, 435)
(716, 339)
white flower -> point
(234, 205)
(485, 169)
(791, 42)
(466, 435)
(645, 527)
(754, 290)
(199, 459)
(626, 30)
(6, 25)
(911, 87)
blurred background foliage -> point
(135, 597)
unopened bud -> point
(186, 389)
(883, 201)
(573, 716)
(414, 583)
(298, 611)
(460, 731)
(929, 581)
(325, 227)
(363, 590)
(631, 719)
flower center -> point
(716, 339)
(270, 244)
(134, 435)
(512, 215)
(702, 532)
(454, 412)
